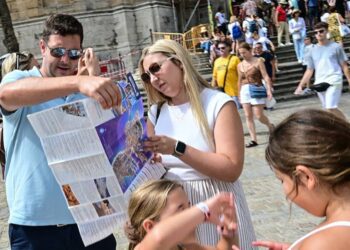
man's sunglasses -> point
(221, 48)
(153, 69)
(73, 54)
(319, 31)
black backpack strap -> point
(159, 107)
(2, 152)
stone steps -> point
(287, 78)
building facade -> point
(112, 27)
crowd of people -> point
(249, 30)
(194, 131)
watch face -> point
(180, 147)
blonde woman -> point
(236, 33)
(160, 217)
(197, 133)
(17, 60)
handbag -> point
(343, 28)
(296, 35)
(321, 87)
(222, 89)
(257, 91)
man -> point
(328, 60)
(39, 217)
(264, 41)
(225, 73)
(312, 7)
(308, 45)
(268, 58)
(269, 61)
(281, 23)
(221, 21)
(249, 7)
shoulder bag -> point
(343, 28)
(256, 91)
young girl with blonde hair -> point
(160, 218)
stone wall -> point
(111, 27)
(121, 29)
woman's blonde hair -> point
(146, 202)
(193, 82)
(314, 138)
(17, 60)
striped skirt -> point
(201, 190)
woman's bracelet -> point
(205, 209)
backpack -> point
(236, 31)
(252, 26)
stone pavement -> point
(272, 215)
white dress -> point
(179, 123)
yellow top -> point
(231, 86)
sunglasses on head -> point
(153, 69)
(319, 31)
(73, 54)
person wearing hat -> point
(281, 23)
(205, 40)
(298, 30)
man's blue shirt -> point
(33, 194)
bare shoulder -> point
(332, 238)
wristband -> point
(205, 209)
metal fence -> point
(190, 39)
(113, 68)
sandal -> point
(251, 144)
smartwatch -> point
(179, 149)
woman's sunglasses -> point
(73, 54)
(153, 69)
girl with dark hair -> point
(310, 154)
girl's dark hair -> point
(316, 139)
(62, 24)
